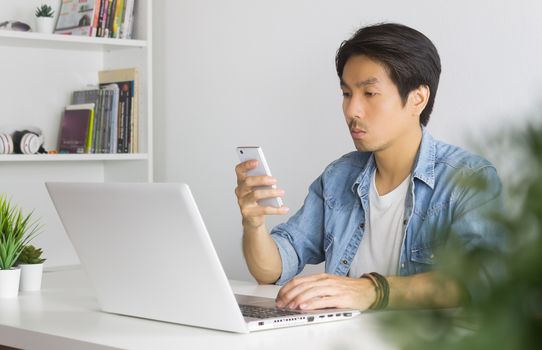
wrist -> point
(251, 225)
(371, 292)
(381, 289)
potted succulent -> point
(45, 22)
(16, 231)
(30, 263)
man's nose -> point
(354, 109)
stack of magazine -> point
(99, 18)
(103, 119)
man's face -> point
(372, 105)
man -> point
(376, 216)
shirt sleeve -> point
(300, 239)
(477, 229)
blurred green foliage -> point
(30, 255)
(508, 315)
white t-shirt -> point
(380, 247)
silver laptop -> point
(148, 254)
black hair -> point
(410, 58)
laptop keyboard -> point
(265, 312)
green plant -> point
(16, 231)
(44, 11)
(30, 255)
(507, 314)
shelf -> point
(66, 42)
(71, 157)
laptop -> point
(148, 254)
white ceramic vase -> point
(30, 277)
(45, 25)
(9, 282)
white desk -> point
(65, 315)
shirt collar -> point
(425, 160)
(424, 168)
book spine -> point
(96, 119)
(129, 8)
(107, 122)
(88, 144)
(134, 120)
(128, 143)
(102, 20)
(99, 129)
(118, 18)
(130, 33)
(110, 15)
(127, 118)
(113, 122)
(97, 8)
(120, 123)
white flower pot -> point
(9, 282)
(30, 277)
(45, 25)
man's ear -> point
(418, 99)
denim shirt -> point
(331, 223)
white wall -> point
(246, 72)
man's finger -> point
(289, 298)
(249, 197)
(334, 301)
(242, 168)
(254, 181)
(296, 286)
(318, 290)
(271, 193)
(249, 210)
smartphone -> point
(255, 152)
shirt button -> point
(362, 226)
(344, 261)
(402, 266)
(405, 221)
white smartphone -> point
(255, 152)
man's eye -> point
(346, 94)
(370, 94)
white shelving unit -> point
(39, 72)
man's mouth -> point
(357, 133)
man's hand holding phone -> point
(256, 194)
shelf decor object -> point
(16, 231)
(45, 20)
(30, 263)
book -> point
(105, 129)
(97, 6)
(101, 138)
(76, 17)
(74, 129)
(85, 96)
(128, 120)
(125, 97)
(100, 111)
(113, 121)
(91, 95)
(110, 15)
(118, 18)
(127, 20)
(102, 18)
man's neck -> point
(395, 163)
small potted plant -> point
(30, 263)
(45, 22)
(16, 231)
